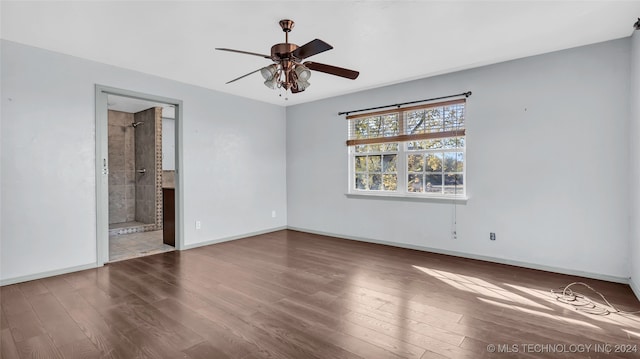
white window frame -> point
(403, 172)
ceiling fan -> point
(288, 71)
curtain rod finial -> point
(467, 94)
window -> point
(415, 151)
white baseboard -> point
(475, 256)
(41, 275)
(227, 239)
(634, 287)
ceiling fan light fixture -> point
(269, 72)
(288, 72)
(302, 84)
(272, 83)
(303, 72)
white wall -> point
(634, 137)
(168, 144)
(547, 163)
(234, 160)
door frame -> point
(102, 166)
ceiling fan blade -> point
(311, 48)
(244, 52)
(243, 76)
(332, 70)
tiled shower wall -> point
(122, 189)
(148, 157)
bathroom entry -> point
(137, 176)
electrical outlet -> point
(198, 224)
(273, 214)
(492, 236)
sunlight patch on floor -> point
(539, 313)
(613, 318)
(478, 286)
(631, 333)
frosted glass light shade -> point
(303, 72)
(302, 84)
(269, 71)
(271, 83)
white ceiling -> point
(387, 41)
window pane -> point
(361, 163)
(424, 145)
(361, 128)
(433, 183)
(453, 117)
(415, 163)
(375, 164)
(362, 148)
(415, 122)
(453, 162)
(361, 181)
(374, 127)
(390, 125)
(390, 182)
(433, 120)
(434, 162)
(389, 146)
(455, 179)
(375, 182)
(375, 148)
(421, 121)
(415, 183)
(453, 142)
(433, 180)
(451, 187)
(389, 163)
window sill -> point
(405, 197)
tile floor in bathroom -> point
(127, 246)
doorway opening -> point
(137, 157)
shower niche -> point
(135, 171)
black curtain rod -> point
(465, 94)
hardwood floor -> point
(295, 295)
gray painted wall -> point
(168, 144)
(234, 160)
(547, 165)
(634, 137)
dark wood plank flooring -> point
(294, 295)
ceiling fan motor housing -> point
(281, 52)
